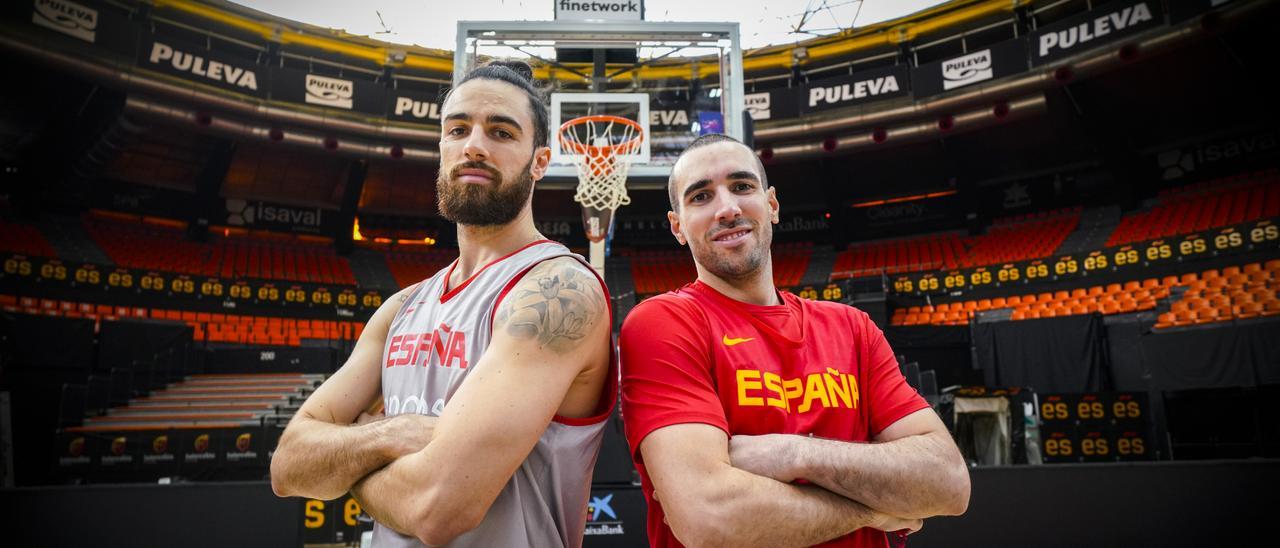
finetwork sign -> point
(607, 10)
(69, 18)
(329, 92)
(969, 69)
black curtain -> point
(1128, 367)
(124, 342)
(1065, 354)
(38, 355)
(946, 350)
(46, 342)
(1230, 355)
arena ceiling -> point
(432, 24)
(50, 119)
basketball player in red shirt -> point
(757, 418)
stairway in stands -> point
(821, 263)
(370, 269)
(70, 241)
(211, 401)
(1096, 225)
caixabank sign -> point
(615, 517)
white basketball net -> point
(602, 148)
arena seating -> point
(1008, 239)
(209, 327)
(412, 266)
(24, 239)
(282, 257)
(933, 252)
(1021, 238)
(1232, 293)
(659, 271)
(1210, 296)
(160, 244)
(1202, 206)
(208, 401)
(149, 244)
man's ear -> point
(541, 159)
(674, 221)
(773, 204)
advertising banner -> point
(1102, 25)
(86, 22)
(201, 65)
(1095, 427)
(616, 517)
(1000, 60)
(136, 287)
(280, 217)
(599, 10)
(413, 106)
(345, 93)
(1251, 236)
(855, 89)
(1220, 155)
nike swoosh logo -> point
(731, 342)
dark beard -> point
(497, 203)
(732, 268)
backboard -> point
(678, 80)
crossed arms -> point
(435, 478)
(720, 491)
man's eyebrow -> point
(696, 187)
(458, 116)
(504, 119)
(735, 176)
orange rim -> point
(601, 150)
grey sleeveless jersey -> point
(434, 342)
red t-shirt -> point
(696, 356)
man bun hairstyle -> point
(520, 75)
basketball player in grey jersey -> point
(496, 373)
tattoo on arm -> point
(557, 303)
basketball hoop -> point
(602, 147)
